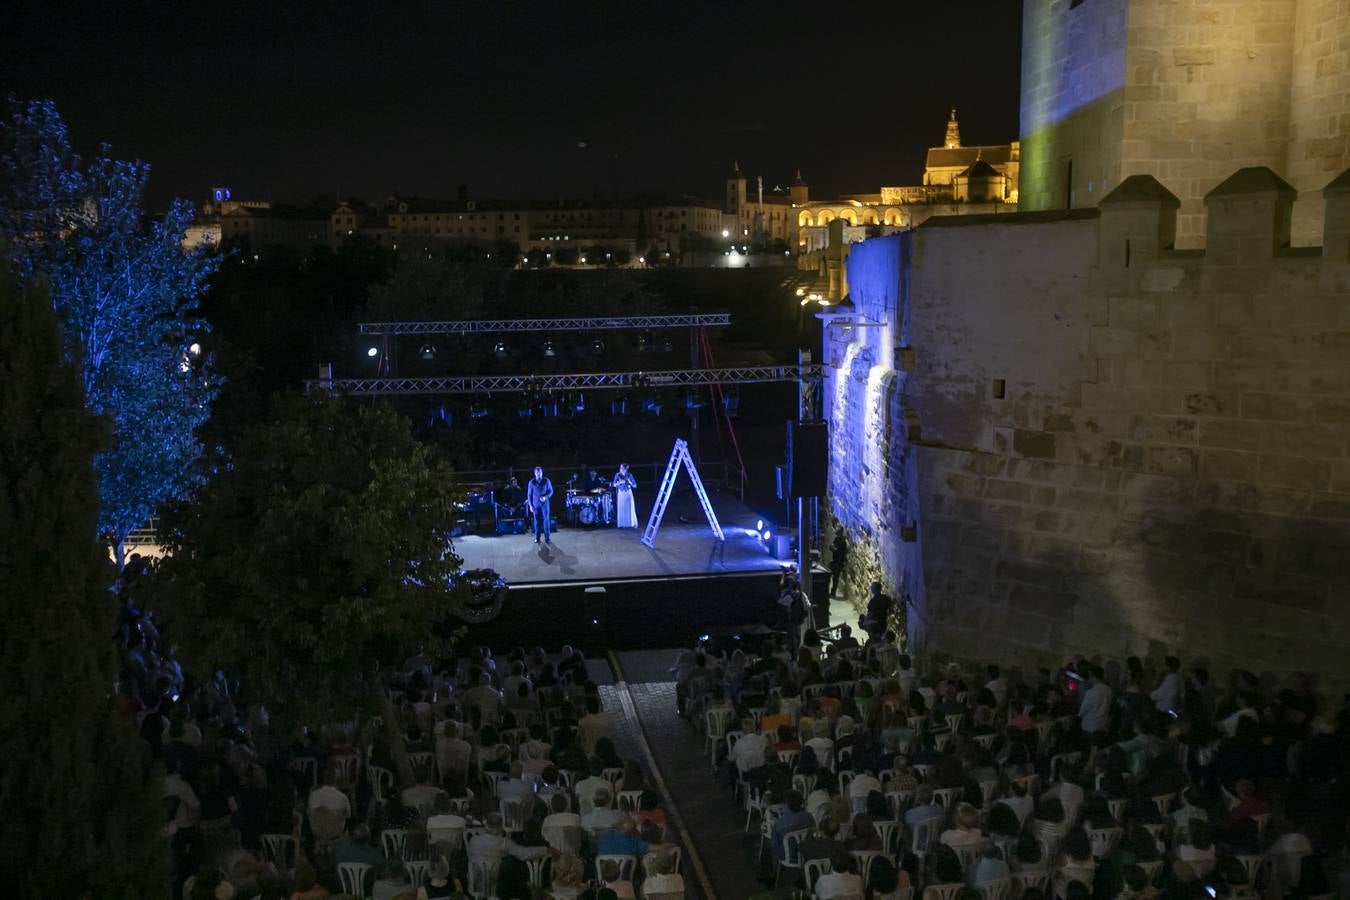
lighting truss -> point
(492, 384)
(500, 326)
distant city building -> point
(957, 180)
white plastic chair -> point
(393, 839)
(803, 784)
(513, 814)
(812, 869)
(353, 877)
(887, 829)
(1032, 878)
(998, 889)
(715, 728)
(626, 863)
(676, 856)
(629, 800)
(942, 891)
(947, 798)
(898, 801)
(417, 871)
(537, 867)
(865, 859)
(381, 781)
(280, 849)
(483, 877)
(792, 853)
(564, 839)
(1103, 841)
(423, 765)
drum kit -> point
(592, 507)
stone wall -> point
(1207, 92)
(1072, 107)
(1320, 108)
(873, 487)
(1185, 92)
(1116, 447)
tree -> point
(82, 816)
(126, 293)
(318, 558)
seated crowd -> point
(869, 778)
(517, 791)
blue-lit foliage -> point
(126, 292)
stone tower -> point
(953, 139)
(799, 193)
(735, 190)
(1186, 93)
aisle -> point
(711, 820)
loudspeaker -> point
(810, 455)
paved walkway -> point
(710, 820)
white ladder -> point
(679, 455)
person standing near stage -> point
(624, 482)
(838, 559)
(537, 494)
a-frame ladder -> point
(679, 456)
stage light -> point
(428, 351)
(373, 352)
(549, 408)
(651, 405)
(691, 401)
(767, 535)
(525, 412)
(579, 403)
(597, 347)
(668, 346)
(759, 525)
(478, 411)
(644, 340)
(549, 349)
(618, 407)
(195, 348)
(499, 349)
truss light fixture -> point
(598, 347)
(499, 349)
(372, 352)
(549, 349)
(428, 351)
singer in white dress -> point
(624, 482)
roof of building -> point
(944, 158)
(981, 169)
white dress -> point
(623, 494)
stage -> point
(600, 556)
(601, 588)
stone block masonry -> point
(1108, 445)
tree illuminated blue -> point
(126, 292)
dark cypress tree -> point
(80, 814)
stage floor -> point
(601, 555)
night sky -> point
(288, 101)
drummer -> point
(595, 482)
